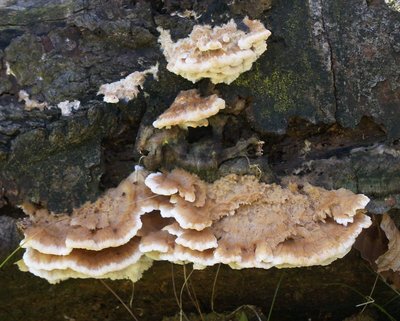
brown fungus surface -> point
(275, 239)
(96, 240)
(157, 241)
(230, 192)
(91, 263)
(175, 216)
(283, 229)
(111, 221)
(133, 272)
(326, 204)
(260, 225)
(189, 216)
(224, 196)
(180, 182)
(197, 240)
(44, 231)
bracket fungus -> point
(178, 182)
(192, 239)
(126, 88)
(175, 216)
(96, 239)
(189, 109)
(133, 272)
(221, 53)
(288, 236)
(91, 263)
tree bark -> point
(325, 99)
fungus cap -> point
(31, 103)
(174, 229)
(175, 216)
(133, 272)
(180, 254)
(281, 229)
(188, 186)
(221, 53)
(231, 191)
(189, 109)
(194, 240)
(90, 263)
(159, 241)
(309, 250)
(114, 218)
(111, 221)
(217, 200)
(189, 216)
(153, 222)
(44, 231)
(340, 204)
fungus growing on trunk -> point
(189, 109)
(175, 216)
(111, 221)
(127, 88)
(246, 223)
(197, 240)
(91, 263)
(180, 182)
(133, 272)
(96, 239)
(281, 232)
(219, 53)
(43, 231)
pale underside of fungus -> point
(126, 88)
(189, 109)
(175, 216)
(221, 53)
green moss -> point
(208, 175)
(278, 86)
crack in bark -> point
(331, 58)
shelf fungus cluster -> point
(177, 217)
(221, 53)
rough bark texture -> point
(325, 98)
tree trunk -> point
(325, 99)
